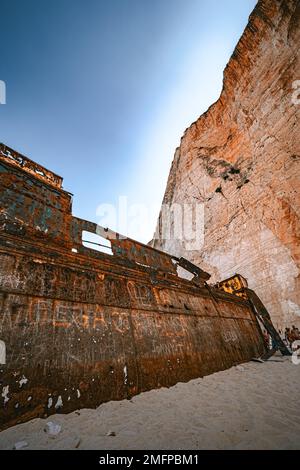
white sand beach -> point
(253, 406)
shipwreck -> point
(79, 327)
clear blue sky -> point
(100, 91)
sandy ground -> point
(254, 406)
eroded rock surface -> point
(241, 159)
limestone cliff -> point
(241, 159)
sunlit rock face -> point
(241, 159)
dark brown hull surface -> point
(81, 328)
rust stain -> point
(83, 327)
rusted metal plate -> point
(126, 248)
(84, 328)
(29, 166)
(32, 207)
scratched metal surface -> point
(84, 328)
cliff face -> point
(241, 160)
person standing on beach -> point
(288, 337)
(267, 339)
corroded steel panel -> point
(32, 207)
(81, 328)
(29, 166)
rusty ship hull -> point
(82, 327)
